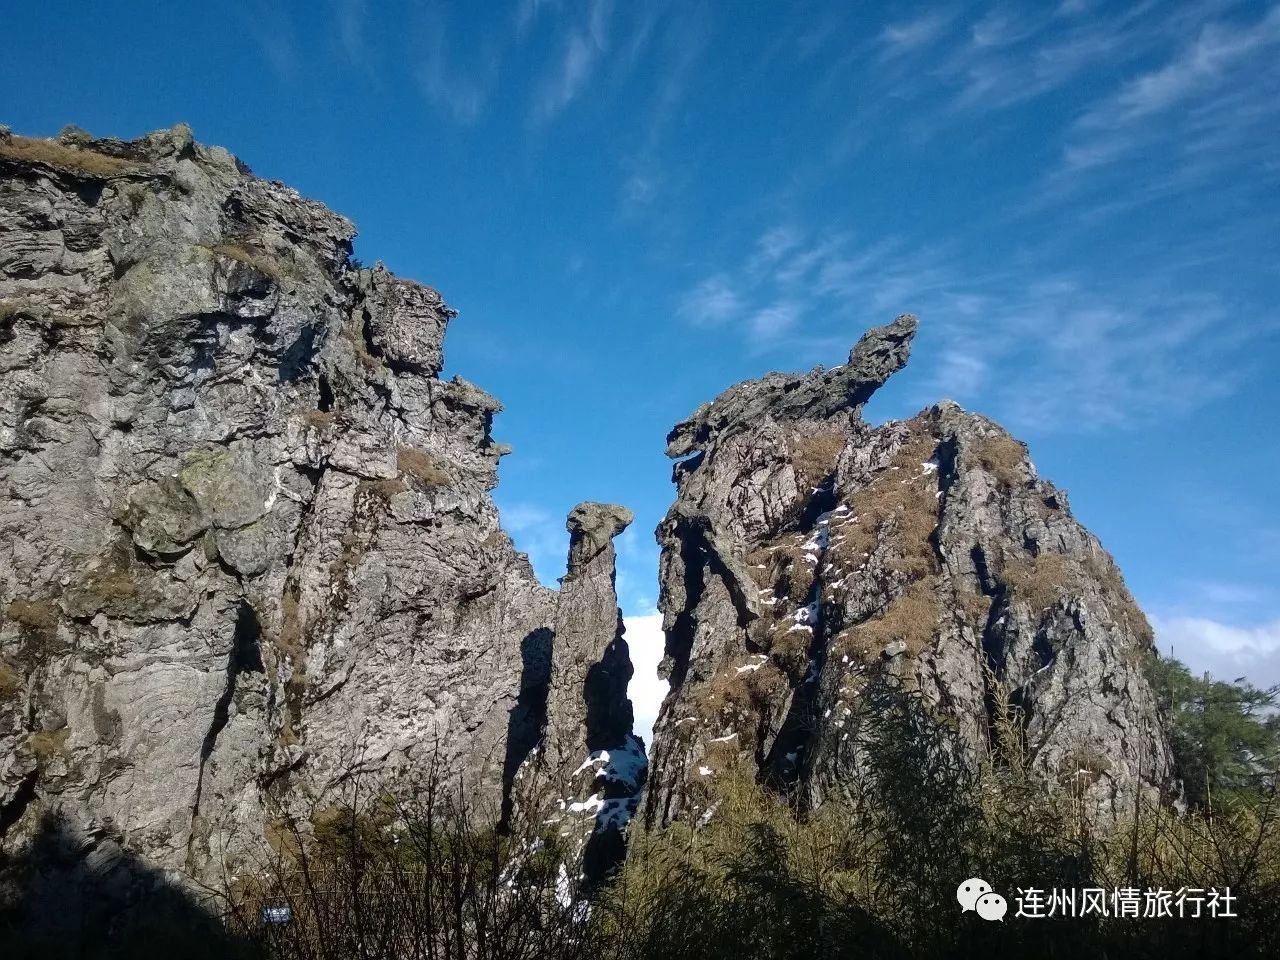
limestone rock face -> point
(247, 547)
(586, 781)
(808, 553)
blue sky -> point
(634, 205)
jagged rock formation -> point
(588, 776)
(808, 553)
(248, 546)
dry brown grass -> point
(383, 489)
(814, 456)
(38, 614)
(47, 744)
(291, 651)
(912, 617)
(264, 263)
(111, 582)
(974, 609)
(10, 682)
(1005, 459)
(319, 419)
(77, 160)
(1119, 601)
(790, 573)
(422, 468)
(1038, 582)
(742, 694)
(901, 514)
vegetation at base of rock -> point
(410, 868)
(59, 156)
(1225, 735)
(869, 874)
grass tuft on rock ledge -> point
(76, 160)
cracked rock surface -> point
(593, 765)
(247, 545)
(809, 554)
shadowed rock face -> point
(809, 554)
(247, 535)
(592, 768)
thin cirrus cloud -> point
(1132, 353)
(897, 39)
(1221, 87)
(583, 46)
(710, 303)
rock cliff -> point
(809, 554)
(588, 777)
(249, 552)
(247, 547)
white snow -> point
(623, 764)
(593, 803)
(705, 771)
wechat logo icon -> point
(976, 894)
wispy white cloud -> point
(583, 46)
(350, 17)
(770, 324)
(638, 190)
(711, 302)
(1004, 27)
(461, 94)
(1074, 355)
(529, 11)
(1225, 650)
(1223, 84)
(908, 36)
(272, 30)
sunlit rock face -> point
(249, 551)
(810, 557)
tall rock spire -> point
(593, 765)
